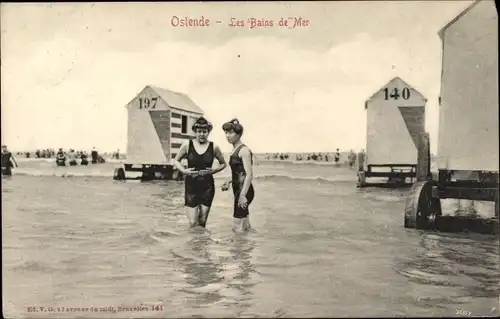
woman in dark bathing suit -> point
(199, 182)
(242, 174)
(8, 161)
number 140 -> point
(394, 95)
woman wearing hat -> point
(199, 181)
(241, 163)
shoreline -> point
(257, 160)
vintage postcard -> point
(250, 159)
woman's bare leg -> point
(238, 225)
(246, 224)
(203, 215)
(193, 215)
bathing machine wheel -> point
(421, 208)
(119, 174)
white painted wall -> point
(143, 144)
(468, 118)
(388, 139)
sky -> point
(68, 70)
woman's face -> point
(232, 137)
(202, 135)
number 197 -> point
(146, 103)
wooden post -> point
(360, 162)
(360, 168)
(423, 157)
(497, 207)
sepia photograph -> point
(268, 159)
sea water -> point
(81, 245)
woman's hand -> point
(242, 201)
(189, 171)
(225, 186)
(204, 172)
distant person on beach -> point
(199, 182)
(8, 161)
(352, 158)
(72, 157)
(101, 159)
(83, 158)
(60, 158)
(337, 156)
(241, 163)
(94, 155)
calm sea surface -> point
(74, 238)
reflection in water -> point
(202, 274)
(468, 262)
(241, 249)
(217, 271)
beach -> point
(74, 238)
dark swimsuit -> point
(199, 190)
(238, 178)
(94, 156)
(7, 163)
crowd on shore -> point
(50, 153)
(62, 157)
(315, 157)
(74, 157)
(70, 157)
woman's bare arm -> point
(220, 158)
(246, 157)
(13, 159)
(181, 155)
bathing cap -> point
(202, 123)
